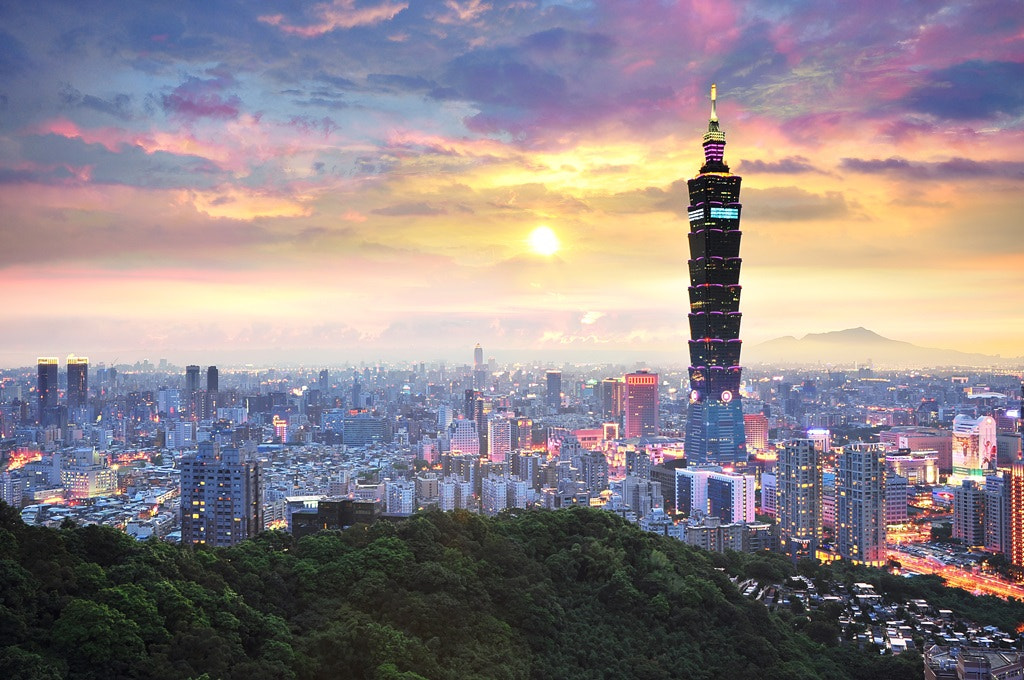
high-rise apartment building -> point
(896, 498)
(969, 513)
(860, 503)
(798, 498)
(714, 423)
(47, 389)
(78, 381)
(641, 405)
(997, 513)
(1017, 519)
(221, 495)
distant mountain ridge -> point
(861, 346)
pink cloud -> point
(111, 138)
(337, 14)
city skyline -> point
(346, 181)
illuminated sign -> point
(725, 213)
(696, 214)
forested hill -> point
(567, 594)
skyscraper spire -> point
(714, 140)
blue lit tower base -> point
(714, 423)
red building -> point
(641, 404)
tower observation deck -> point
(714, 425)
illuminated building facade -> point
(798, 498)
(641, 405)
(499, 438)
(755, 429)
(975, 447)
(221, 495)
(860, 504)
(88, 475)
(46, 388)
(1017, 519)
(611, 391)
(714, 424)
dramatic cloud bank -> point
(359, 178)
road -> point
(979, 584)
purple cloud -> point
(792, 165)
(972, 90)
(197, 98)
(954, 168)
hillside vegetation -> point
(567, 594)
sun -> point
(544, 241)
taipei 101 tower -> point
(714, 422)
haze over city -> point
(265, 181)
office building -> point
(914, 439)
(192, 391)
(221, 495)
(918, 468)
(714, 420)
(212, 379)
(479, 369)
(47, 389)
(731, 497)
(553, 397)
(463, 437)
(191, 379)
(640, 408)
(611, 393)
(755, 428)
(798, 497)
(78, 381)
(692, 491)
(969, 513)
(332, 515)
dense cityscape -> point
(408, 518)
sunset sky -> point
(322, 182)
